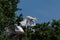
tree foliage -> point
(43, 31)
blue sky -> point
(45, 10)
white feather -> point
(23, 23)
(19, 29)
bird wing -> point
(23, 23)
(19, 28)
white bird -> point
(28, 21)
(18, 29)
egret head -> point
(31, 18)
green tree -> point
(7, 16)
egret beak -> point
(35, 19)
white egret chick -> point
(18, 29)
